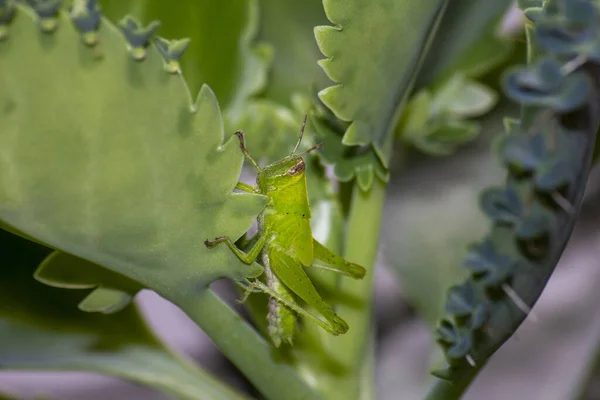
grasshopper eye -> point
(298, 168)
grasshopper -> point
(285, 245)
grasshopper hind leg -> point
(282, 320)
(335, 325)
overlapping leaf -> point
(112, 291)
(436, 122)
(41, 328)
(374, 52)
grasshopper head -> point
(282, 174)
(287, 171)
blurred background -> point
(431, 216)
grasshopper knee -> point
(340, 326)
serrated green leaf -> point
(117, 169)
(42, 329)
(374, 53)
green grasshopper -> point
(285, 244)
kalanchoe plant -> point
(120, 171)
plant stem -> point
(354, 349)
(444, 390)
(244, 347)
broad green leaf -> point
(120, 169)
(222, 53)
(466, 33)
(374, 53)
(288, 25)
(42, 329)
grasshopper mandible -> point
(285, 245)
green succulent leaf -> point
(374, 52)
(121, 169)
(444, 137)
(34, 315)
(435, 122)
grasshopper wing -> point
(303, 242)
(292, 274)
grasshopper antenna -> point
(240, 136)
(315, 147)
(300, 137)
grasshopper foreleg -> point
(244, 187)
(241, 137)
(247, 258)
